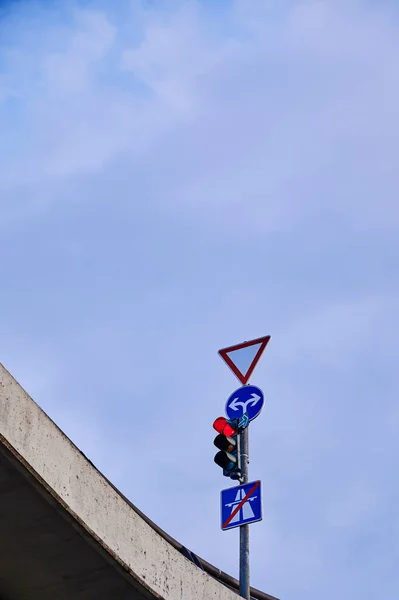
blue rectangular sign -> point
(241, 505)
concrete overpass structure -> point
(66, 533)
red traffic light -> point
(223, 426)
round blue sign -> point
(247, 399)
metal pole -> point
(244, 529)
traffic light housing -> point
(227, 442)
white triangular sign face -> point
(243, 358)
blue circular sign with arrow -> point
(248, 399)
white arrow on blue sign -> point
(248, 399)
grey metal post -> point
(244, 529)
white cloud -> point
(294, 120)
(70, 73)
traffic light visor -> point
(223, 426)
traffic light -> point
(228, 456)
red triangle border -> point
(223, 353)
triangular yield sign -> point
(243, 358)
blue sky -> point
(180, 176)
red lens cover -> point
(222, 426)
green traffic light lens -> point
(225, 460)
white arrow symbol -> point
(254, 399)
